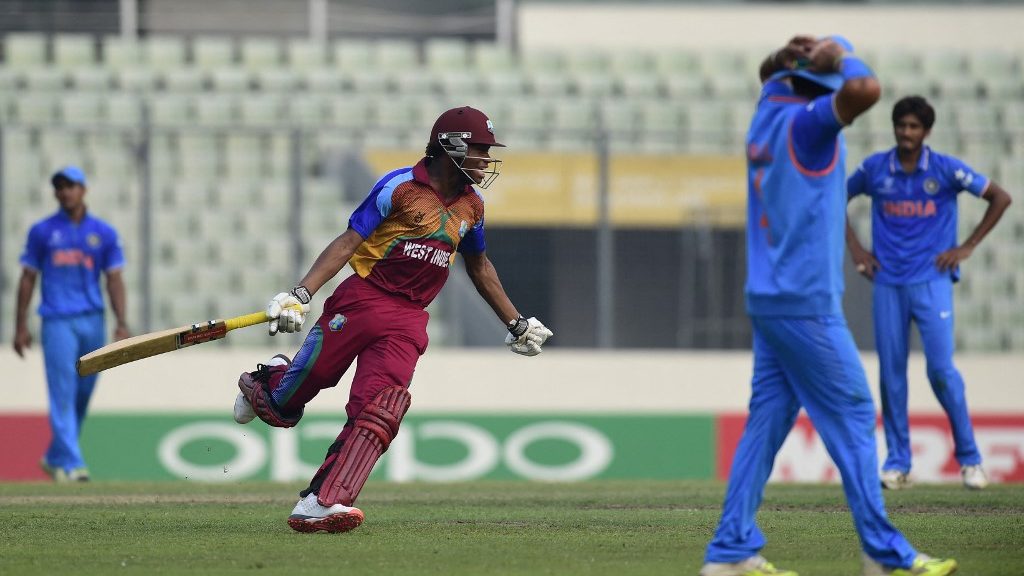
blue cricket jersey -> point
(70, 258)
(914, 216)
(796, 205)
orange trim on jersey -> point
(799, 166)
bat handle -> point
(249, 320)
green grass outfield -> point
(483, 528)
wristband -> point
(518, 327)
(851, 67)
(301, 294)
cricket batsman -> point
(401, 242)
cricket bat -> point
(146, 345)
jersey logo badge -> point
(931, 186)
(93, 240)
(490, 127)
(963, 177)
(337, 323)
(463, 228)
(887, 186)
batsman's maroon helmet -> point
(468, 124)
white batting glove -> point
(285, 313)
(527, 336)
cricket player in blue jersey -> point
(914, 262)
(804, 354)
(69, 250)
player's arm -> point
(998, 201)
(863, 259)
(526, 336)
(331, 260)
(860, 90)
(118, 299)
(22, 337)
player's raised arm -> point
(860, 90)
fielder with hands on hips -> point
(400, 242)
(804, 354)
(69, 250)
(914, 263)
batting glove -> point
(527, 336)
(286, 313)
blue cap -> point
(71, 173)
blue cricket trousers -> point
(64, 341)
(810, 362)
(930, 306)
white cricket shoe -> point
(311, 516)
(243, 409)
(974, 477)
(894, 480)
(753, 566)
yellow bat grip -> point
(250, 319)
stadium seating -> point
(223, 112)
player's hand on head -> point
(825, 56)
(286, 313)
(527, 336)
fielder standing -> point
(69, 250)
(804, 354)
(914, 262)
(400, 242)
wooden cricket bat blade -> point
(146, 345)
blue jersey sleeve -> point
(374, 209)
(858, 182)
(962, 177)
(473, 242)
(813, 134)
(113, 255)
(35, 248)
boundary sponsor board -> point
(803, 457)
(435, 447)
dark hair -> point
(917, 106)
(434, 149)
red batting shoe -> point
(310, 516)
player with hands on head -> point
(70, 250)
(914, 262)
(401, 242)
(804, 354)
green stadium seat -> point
(306, 109)
(261, 109)
(675, 62)
(164, 52)
(639, 84)
(303, 54)
(45, 79)
(350, 111)
(723, 62)
(326, 81)
(1003, 88)
(897, 87)
(506, 83)
(619, 118)
(185, 79)
(896, 63)
(550, 83)
(411, 82)
(489, 57)
(199, 155)
(73, 50)
(353, 54)
(528, 114)
(216, 109)
(660, 121)
(171, 109)
(960, 87)
(632, 61)
(587, 60)
(231, 79)
(138, 79)
(685, 86)
(371, 80)
(396, 113)
(395, 54)
(210, 52)
(245, 159)
(591, 84)
(10, 81)
(733, 86)
(446, 54)
(711, 128)
(119, 52)
(91, 78)
(24, 50)
(261, 53)
(543, 60)
(123, 109)
(975, 115)
(940, 64)
(459, 83)
(282, 79)
(60, 146)
(29, 108)
(82, 108)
